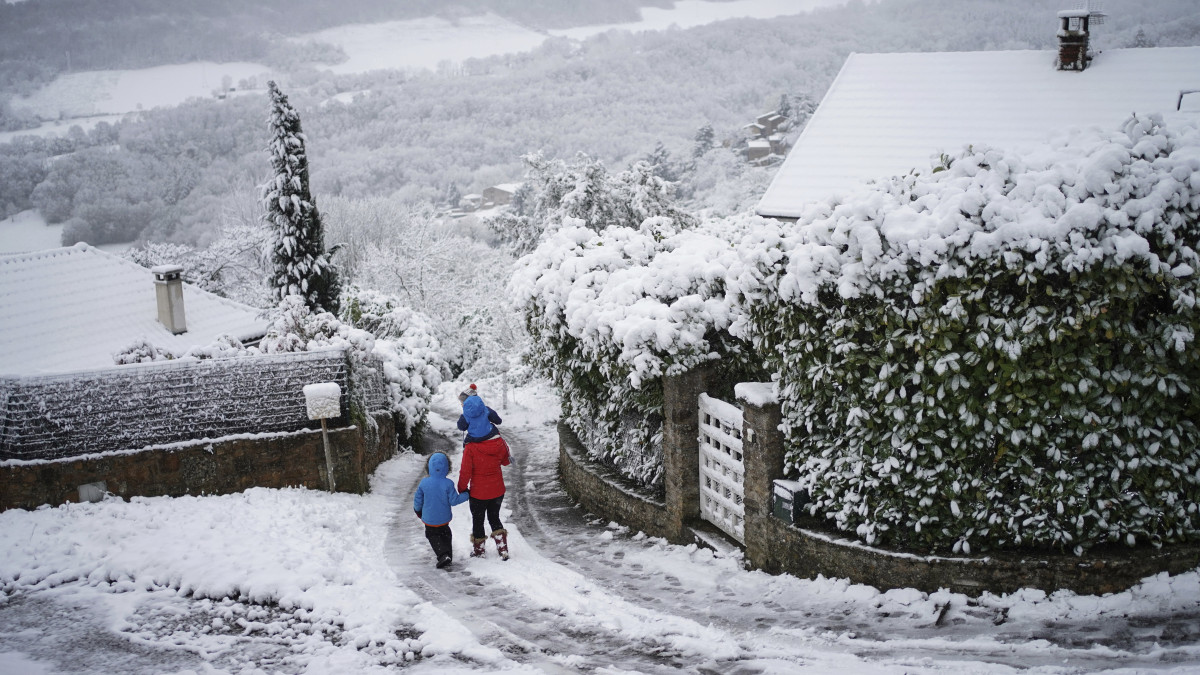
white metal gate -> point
(721, 469)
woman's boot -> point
(477, 546)
(501, 537)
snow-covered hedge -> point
(1000, 353)
(610, 312)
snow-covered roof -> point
(886, 114)
(69, 309)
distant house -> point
(771, 122)
(499, 195)
(886, 114)
(758, 150)
(470, 202)
(754, 130)
(71, 309)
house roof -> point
(69, 309)
(886, 114)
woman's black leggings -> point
(491, 507)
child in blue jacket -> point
(436, 494)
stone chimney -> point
(168, 287)
(1074, 29)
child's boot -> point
(444, 561)
(477, 546)
(501, 537)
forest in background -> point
(169, 174)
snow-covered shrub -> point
(141, 350)
(224, 347)
(609, 313)
(411, 377)
(1000, 353)
(413, 363)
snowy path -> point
(579, 587)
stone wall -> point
(605, 492)
(220, 466)
(129, 407)
(804, 549)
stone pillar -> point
(762, 452)
(681, 450)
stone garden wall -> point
(221, 466)
(780, 541)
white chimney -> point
(168, 287)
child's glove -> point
(417, 512)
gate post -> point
(681, 449)
(762, 452)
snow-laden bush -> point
(1000, 353)
(140, 350)
(224, 347)
(411, 377)
(412, 358)
(609, 313)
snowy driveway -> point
(300, 581)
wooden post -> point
(324, 401)
(328, 456)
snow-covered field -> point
(691, 13)
(302, 581)
(111, 92)
(424, 43)
(28, 231)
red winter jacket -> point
(480, 470)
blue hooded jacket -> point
(436, 493)
(478, 420)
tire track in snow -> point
(530, 630)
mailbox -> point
(789, 500)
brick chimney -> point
(1074, 26)
(168, 287)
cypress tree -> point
(301, 266)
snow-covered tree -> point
(301, 265)
(785, 105)
(456, 282)
(232, 266)
(705, 138)
(584, 193)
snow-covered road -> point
(300, 581)
(609, 598)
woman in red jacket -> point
(484, 454)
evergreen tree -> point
(660, 160)
(705, 139)
(785, 105)
(301, 266)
